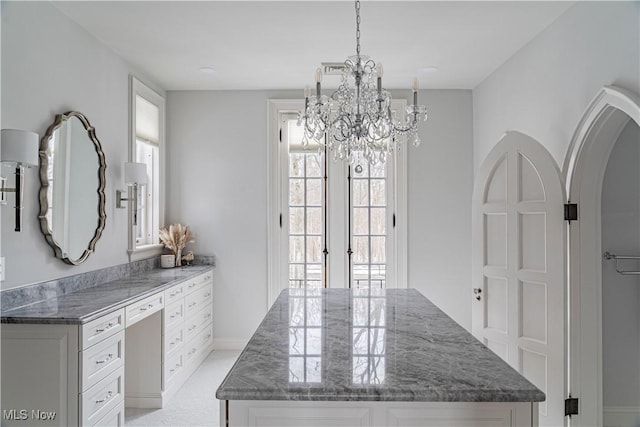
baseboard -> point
(150, 400)
(621, 416)
(229, 344)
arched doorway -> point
(584, 170)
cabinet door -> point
(39, 375)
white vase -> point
(167, 261)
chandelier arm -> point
(345, 131)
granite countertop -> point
(89, 303)
(372, 345)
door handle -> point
(477, 292)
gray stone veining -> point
(374, 345)
(82, 303)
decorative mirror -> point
(72, 181)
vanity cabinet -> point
(187, 330)
(56, 375)
(138, 354)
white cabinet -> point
(363, 413)
(72, 375)
(160, 344)
(187, 330)
(46, 372)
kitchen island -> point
(329, 357)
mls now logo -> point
(23, 414)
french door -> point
(337, 224)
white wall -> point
(440, 189)
(543, 90)
(217, 173)
(51, 65)
(621, 294)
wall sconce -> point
(134, 174)
(18, 148)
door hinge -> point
(280, 135)
(571, 406)
(280, 220)
(571, 212)
(394, 220)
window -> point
(331, 225)
(147, 146)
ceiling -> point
(279, 44)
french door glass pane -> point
(306, 224)
(369, 226)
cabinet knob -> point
(108, 326)
(105, 360)
(107, 397)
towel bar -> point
(608, 256)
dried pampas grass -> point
(175, 239)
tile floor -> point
(195, 404)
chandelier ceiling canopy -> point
(356, 122)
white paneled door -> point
(519, 265)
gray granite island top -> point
(91, 302)
(368, 345)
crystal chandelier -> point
(357, 118)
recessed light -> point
(207, 70)
(429, 69)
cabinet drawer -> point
(198, 300)
(173, 340)
(174, 314)
(146, 307)
(101, 328)
(99, 360)
(174, 293)
(100, 399)
(199, 344)
(172, 367)
(115, 417)
(193, 284)
(195, 323)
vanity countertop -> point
(89, 303)
(368, 345)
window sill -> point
(144, 252)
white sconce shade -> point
(19, 147)
(135, 173)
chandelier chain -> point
(358, 28)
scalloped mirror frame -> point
(44, 184)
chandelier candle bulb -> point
(307, 92)
(318, 80)
(414, 86)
